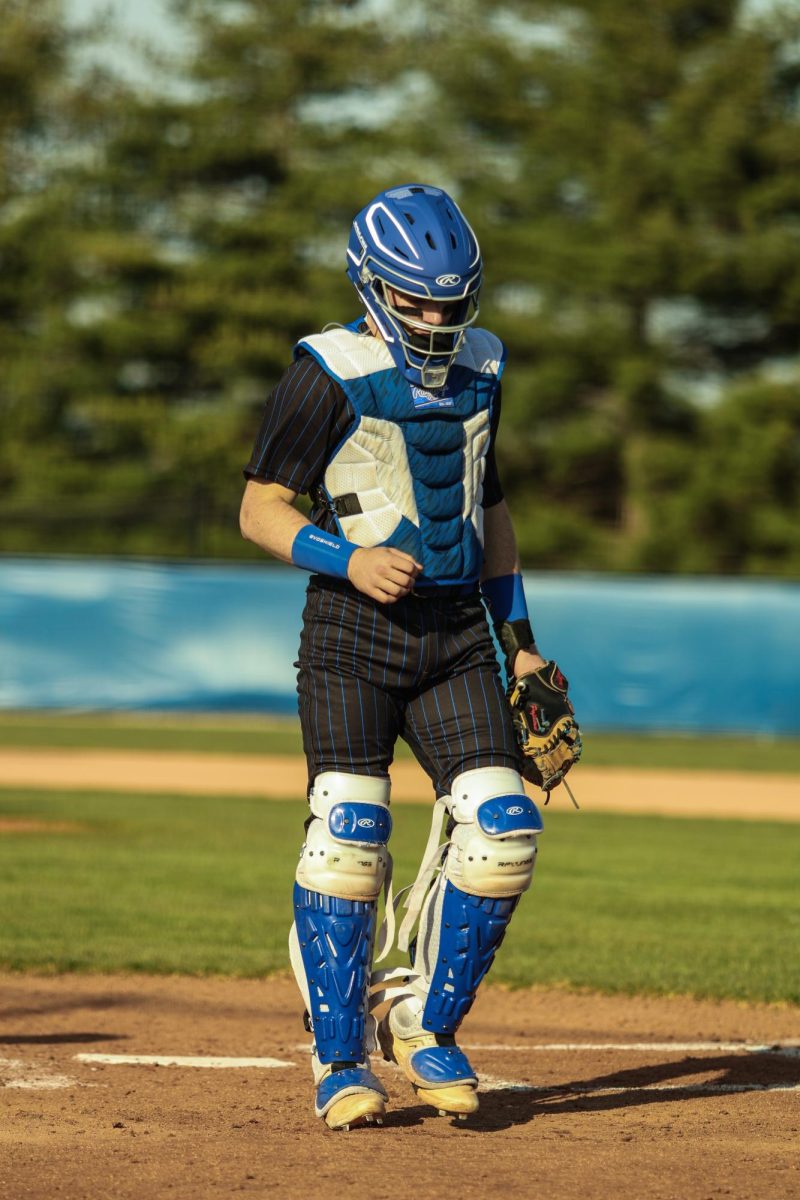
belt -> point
(450, 591)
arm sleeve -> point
(492, 489)
(305, 417)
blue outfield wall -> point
(640, 652)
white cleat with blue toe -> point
(439, 1072)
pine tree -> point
(203, 230)
(35, 276)
(633, 168)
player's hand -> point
(382, 572)
(527, 661)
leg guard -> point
(489, 864)
(334, 939)
(462, 936)
(339, 877)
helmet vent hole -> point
(453, 242)
(409, 218)
(417, 190)
(430, 241)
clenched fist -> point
(382, 572)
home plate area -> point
(132, 1086)
(696, 1066)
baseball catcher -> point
(389, 423)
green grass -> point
(269, 735)
(202, 885)
(123, 731)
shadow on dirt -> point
(40, 1006)
(58, 1039)
(506, 1107)
(408, 1118)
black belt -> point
(451, 591)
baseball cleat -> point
(350, 1098)
(438, 1071)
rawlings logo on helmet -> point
(515, 811)
(366, 823)
(448, 280)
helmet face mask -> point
(428, 347)
(411, 250)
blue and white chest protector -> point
(409, 473)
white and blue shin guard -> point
(342, 868)
(489, 864)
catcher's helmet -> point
(416, 240)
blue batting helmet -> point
(415, 241)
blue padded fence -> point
(640, 652)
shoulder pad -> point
(482, 352)
(347, 355)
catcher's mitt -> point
(544, 722)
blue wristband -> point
(315, 550)
(505, 596)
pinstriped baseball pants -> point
(423, 669)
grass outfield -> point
(202, 885)
(268, 735)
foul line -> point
(179, 1060)
(491, 1084)
(789, 1049)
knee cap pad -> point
(493, 846)
(345, 853)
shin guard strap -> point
(472, 928)
(335, 938)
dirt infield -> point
(599, 789)
(584, 1096)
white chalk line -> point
(28, 1076)
(490, 1083)
(789, 1049)
(181, 1060)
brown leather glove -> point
(544, 722)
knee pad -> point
(492, 849)
(345, 852)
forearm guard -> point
(514, 636)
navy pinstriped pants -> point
(423, 669)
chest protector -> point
(409, 472)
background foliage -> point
(631, 170)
